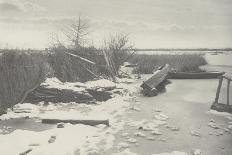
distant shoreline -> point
(184, 49)
(141, 49)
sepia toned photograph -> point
(115, 77)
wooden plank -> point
(72, 121)
(197, 75)
(228, 92)
(218, 89)
(25, 152)
(81, 58)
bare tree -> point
(78, 31)
(119, 49)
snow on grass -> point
(55, 83)
(78, 86)
(125, 80)
(102, 83)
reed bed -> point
(181, 63)
(20, 72)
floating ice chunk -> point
(161, 117)
(52, 139)
(34, 144)
(213, 125)
(8, 127)
(195, 133)
(157, 110)
(151, 138)
(226, 129)
(138, 123)
(139, 134)
(210, 133)
(229, 118)
(230, 127)
(219, 133)
(131, 140)
(135, 108)
(125, 134)
(173, 128)
(123, 145)
(156, 131)
(162, 139)
(136, 144)
(212, 120)
(197, 152)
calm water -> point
(222, 59)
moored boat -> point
(151, 85)
(194, 75)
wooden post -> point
(218, 89)
(228, 91)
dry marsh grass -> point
(183, 63)
(19, 72)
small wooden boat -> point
(151, 86)
(194, 75)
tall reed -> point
(184, 63)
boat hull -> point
(198, 75)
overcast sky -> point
(150, 23)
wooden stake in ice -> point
(218, 89)
(228, 91)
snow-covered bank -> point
(69, 110)
(72, 139)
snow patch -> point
(103, 83)
(57, 84)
